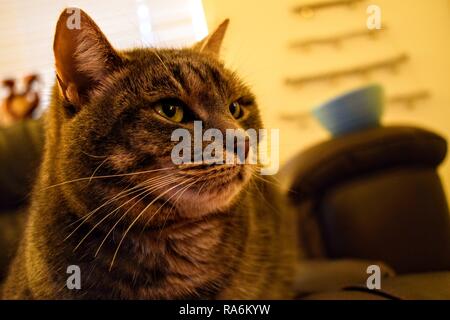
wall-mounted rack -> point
(363, 70)
(335, 40)
(301, 118)
(308, 10)
(410, 99)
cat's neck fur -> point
(194, 263)
(236, 254)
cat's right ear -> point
(213, 42)
(83, 56)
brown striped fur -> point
(227, 236)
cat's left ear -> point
(213, 42)
(83, 56)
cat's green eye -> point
(170, 110)
(236, 110)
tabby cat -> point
(109, 199)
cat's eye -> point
(171, 110)
(236, 110)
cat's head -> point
(116, 111)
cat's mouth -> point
(209, 169)
(179, 194)
(209, 188)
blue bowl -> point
(356, 110)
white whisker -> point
(105, 177)
(128, 210)
(138, 216)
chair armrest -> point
(314, 276)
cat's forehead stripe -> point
(202, 74)
(199, 80)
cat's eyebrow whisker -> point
(154, 188)
(107, 176)
(169, 73)
(139, 215)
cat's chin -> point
(197, 202)
(194, 205)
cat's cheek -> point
(122, 160)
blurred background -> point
(296, 54)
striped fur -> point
(205, 233)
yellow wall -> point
(257, 46)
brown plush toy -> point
(18, 106)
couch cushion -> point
(425, 286)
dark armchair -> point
(375, 195)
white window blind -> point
(27, 30)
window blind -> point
(27, 30)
